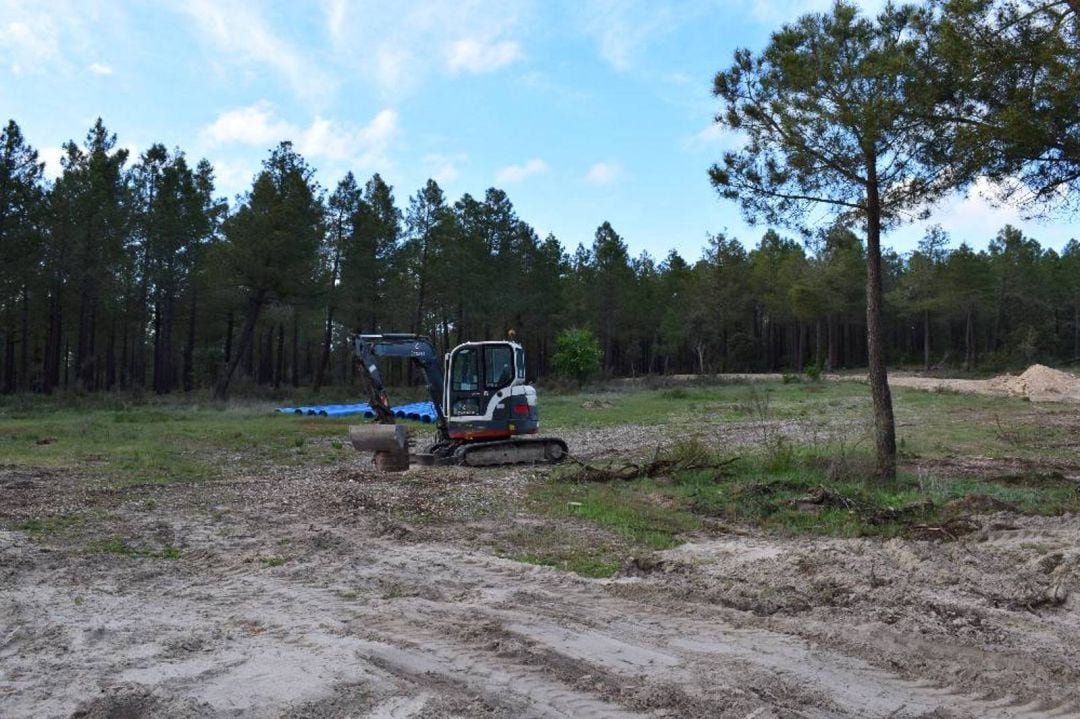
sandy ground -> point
(1038, 383)
(298, 595)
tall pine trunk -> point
(295, 370)
(324, 357)
(163, 351)
(969, 338)
(1076, 330)
(926, 340)
(818, 359)
(279, 366)
(188, 378)
(255, 303)
(834, 342)
(54, 339)
(23, 380)
(84, 349)
(8, 385)
(159, 354)
(228, 337)
(110, 358)
(884, 424)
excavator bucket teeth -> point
(379, 438)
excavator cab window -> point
(465, 383)
(498, 366)
(520, 356)
(466, 371)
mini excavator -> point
(486, 412)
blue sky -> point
(582, 111)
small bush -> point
(577, 354)
(691, 452)
(813, 373)
(791, 379)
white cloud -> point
(713, 132)
(232, 177)
(623, 28)
(98, 68)
(239, 31)
(394, 70)
(975, 218)
(335, 19)
(603, 173)
(443, 168)
(60, 36)
(29, 39)
(476, 56)
(253, 125)
(517, 173)
(405, 43)
(364, 146)
(361, 146)
(715, 137)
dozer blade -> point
(379, 437)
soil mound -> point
(1040, 383)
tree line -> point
(133, 274)
(130, 272)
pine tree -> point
(834, 112)
(344, 208)
(272, 243)
(21, 213)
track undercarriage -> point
(516, 450)
(392, 447)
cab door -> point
(466, 386)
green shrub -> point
(577, 354)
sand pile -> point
(1040, 383)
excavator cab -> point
(486, 396)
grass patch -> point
(695, 404)
(629, 509)
(48, 526)
(119, 546)
(801, 490)
(147, 445)
(592, 567)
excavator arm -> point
(418, 349)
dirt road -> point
(297, 595)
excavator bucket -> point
(379, 437)
(389, 442)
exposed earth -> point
(296, 592)
(1038, 383)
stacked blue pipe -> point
(416, 411)
(330, 410)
